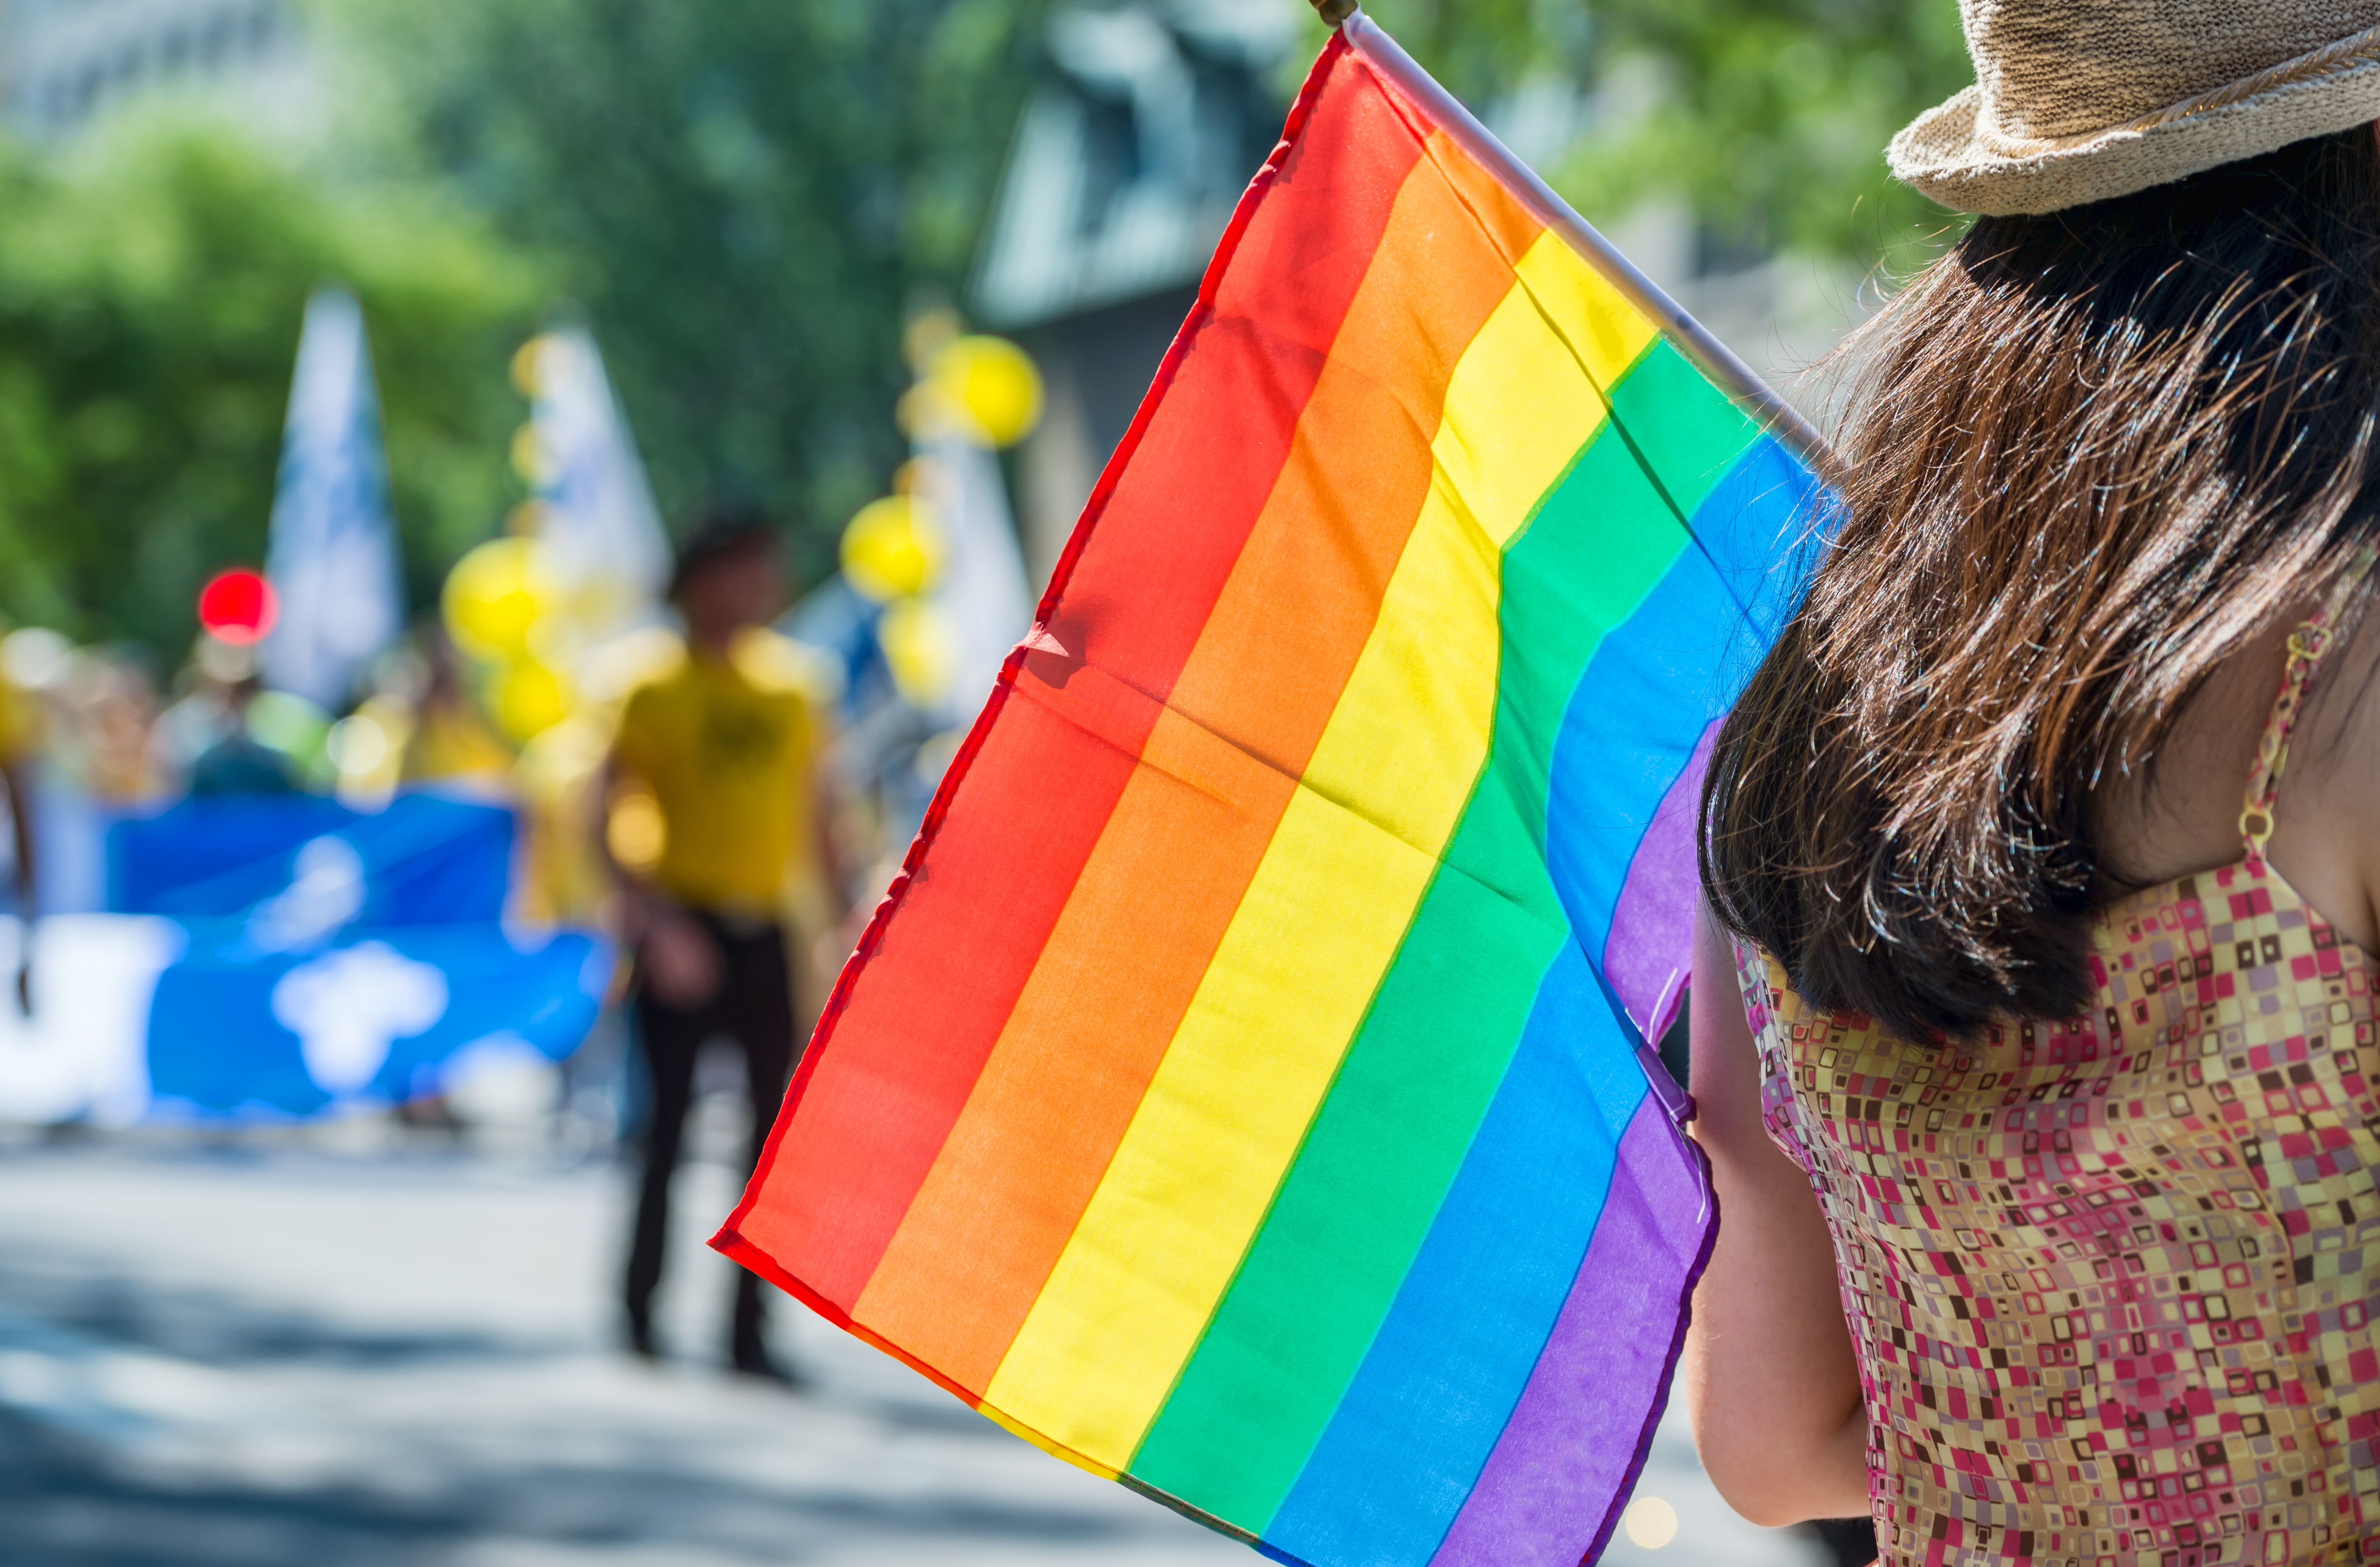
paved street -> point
(369, 1350)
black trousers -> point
(753, 1008)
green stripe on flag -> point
(1356, 1206)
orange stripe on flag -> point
(1079, 1050)
(1028, 797)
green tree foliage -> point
(748, 195)
(151, 291)
(1768, 117)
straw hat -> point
(2079, 100)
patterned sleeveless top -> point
(2113, 1280)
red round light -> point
(238, 606)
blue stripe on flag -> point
(1448, 1363)
(1661, 676)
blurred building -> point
(1126, 164)
(66, 65)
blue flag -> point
(332, 559)
(332, 955)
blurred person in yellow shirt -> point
(724, 750)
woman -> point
(2045, 847)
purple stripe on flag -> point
(1562, 1442)
(1647, 956)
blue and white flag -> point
(601, 533)
(280, 957)
(332, 557)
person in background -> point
(205, 739)
(108, 713)
(726, 747)
(22, 736)
(238, 763)
(450, 741)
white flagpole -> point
(1714, 358)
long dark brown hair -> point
(2089, 454)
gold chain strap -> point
(2308, 644)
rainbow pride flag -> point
(1242, 1091)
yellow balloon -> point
(893, 549)
(993, 383)
(533, 457)
(531, 363)
(529, 698)
(919, 650)
(495, 595)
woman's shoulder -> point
(2182, 815)
(2179, 813)
(2326, 822)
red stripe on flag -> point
(926, 996)
(1185, 841)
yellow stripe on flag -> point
(1594, 319)
(1495, 446)
(1332, 900)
